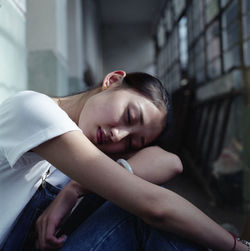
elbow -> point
(154, 218)
(178, 167)
(157, 214)
(174, 166)
(169, 160)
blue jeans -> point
(23, 235)
(111, 228)
(104, 229)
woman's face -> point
(120, 120)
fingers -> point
(51, 242)
(46, 238)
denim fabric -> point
(23, 234)
(95, 225)
(111, 228)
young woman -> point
(43, 141)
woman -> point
(73, 134)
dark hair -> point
(153, 89)
(148, 86)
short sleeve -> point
(29, 119)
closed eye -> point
(128, 116)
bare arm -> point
(50, 220)
(151, 163)
(155, 164)
(78, 158)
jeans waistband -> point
(49, 187)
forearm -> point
(76, 189)
(177, 215)
(155, 164)
(151, 163)
(50, 220)
(190, 223)
(70, 194)
(172, 213)
(157, 206)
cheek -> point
(83, 120)
(90, 113)
(85, 123)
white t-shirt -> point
(26, 120)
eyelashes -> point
(128, 116)
(129, 137)
(132, 120)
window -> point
(183, 42)
(230, 35)
(199, 61)
(211, 9)
(213, 50)
(246, 31)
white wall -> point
(13, 73)
(75, 38)
(75, 46)
(46, 26)
(41, 31)
(47, 46)
(62, 43)
(61, 28)
(92, 39)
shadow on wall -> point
(88, 77)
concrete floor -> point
(187, 187)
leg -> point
(87, 206)
(159, 241)
(111, 228)
(23, 234)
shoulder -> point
(25, 98)
(32, 106)
(28, 119)
(32, 113)
(24, 95)
(25, 101)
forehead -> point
(131, 94)
(144, 105)
(152, 119)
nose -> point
(119, 133)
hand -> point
(50, 220)
(240, 246)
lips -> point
(101, 136)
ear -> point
(113, 77)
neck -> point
(74, 104)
